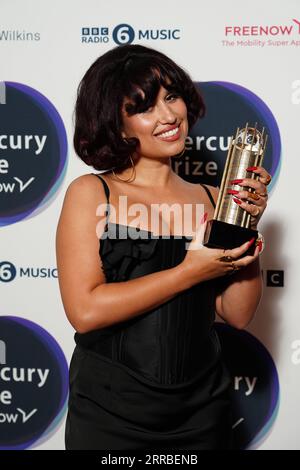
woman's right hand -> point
(202, 263)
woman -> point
(147, 370)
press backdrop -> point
(245, 58)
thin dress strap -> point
(107, 194)
(209, 194)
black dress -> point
(156, 381)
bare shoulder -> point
(84, 185)
(214, 190)
(82, 202)
(83, 192)
(77, 245)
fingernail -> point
(251, 168)
(260, 245)
(235, 181)
(251, 241)
(238, 201)
(204, 217)
(232, 191)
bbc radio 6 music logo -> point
(33, 384)
(255, 386)
(8, 272)
(33, 152)
(228, 106)
(125, 34)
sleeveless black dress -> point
(156, 381)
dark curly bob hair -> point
(123, 72)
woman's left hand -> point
(258, 196)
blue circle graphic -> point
(33, 152)
(123, 34)
(255, 386)
(228, 106)
(34, 379)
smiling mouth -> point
(170, 133)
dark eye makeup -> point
(173, 95)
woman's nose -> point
(165, 113)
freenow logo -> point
(8, 272)
(264, 30)
(33, 384)
(33, 152)
(125, 34)
(19, 36)
(275, 35)
(255, 386)
(229, 106)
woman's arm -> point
(238, 300)
(239, 295)
(89, 302)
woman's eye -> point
(172, 95)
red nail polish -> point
(204, 217)
(236, 181)
(260, 245)
(232, 191)
(250, 242)
(251, 168)
(238, 201)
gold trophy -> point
(230, 226)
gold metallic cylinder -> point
(230, 226)
(246, 149)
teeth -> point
(169, 133)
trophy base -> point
(224, 235)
